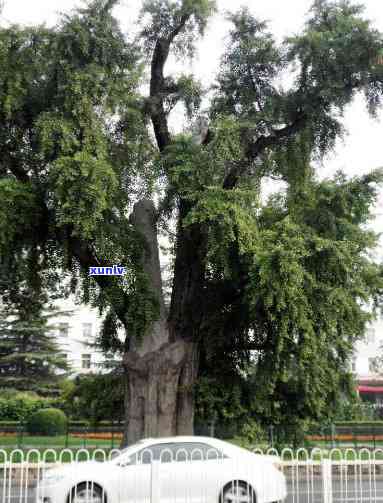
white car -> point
(167, 470)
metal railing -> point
(109, 434)
(318, 476)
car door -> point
(193, 475)
(135, 477)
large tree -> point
(84, 152)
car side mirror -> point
(126, 462)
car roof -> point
(180, 439)
(219, 444)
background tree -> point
(95, 397)
(30, 359)
(286, 279)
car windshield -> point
(128, 451)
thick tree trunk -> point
(160, 369)
(160, 391)
(126, 407)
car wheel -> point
(87, 492)
(237, 491)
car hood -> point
(264, 458)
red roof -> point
(370, 389)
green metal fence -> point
(108, 435)
(77, 435)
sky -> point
(359, 152)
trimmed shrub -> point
(18, 406)
(47, 422)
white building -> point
(364, 363)
(76, 329)
(367, 366)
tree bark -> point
(160, 391)
(160, 370)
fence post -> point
(271, 435)
(67, 435)
(20, 436)
(155, 482)
(332, 435)
(327, 480)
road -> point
(353, 491)
(304, 492)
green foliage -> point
(360, 423)
(335, 57)
(29, 355)
(185, 90)
(161, 17)
(19, 209)
(250, 63)
(310, 278)
(220, 403)
(285, 283)
(47, 422)
(83, 185)
(73, 120)
(355, 411)
(95, 398)
(9, 424)
(19, 406)
(338, 45)
(253, 434)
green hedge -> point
(21, 406)
(10, 426)
(359, 423)
(15, 426)
(47, 422)
(80, 423)
(88, 424)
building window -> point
(87, 330)
(86, 361)
(63, 329)
(370, 332)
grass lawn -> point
(51, 449)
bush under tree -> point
(18, 406)
(96, 398)
(47, 422)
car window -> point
(177, 451)
(197, 451)
(155, 452)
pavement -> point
(351, 490)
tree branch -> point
(87, 257)
(158, 89)
(254, 149)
